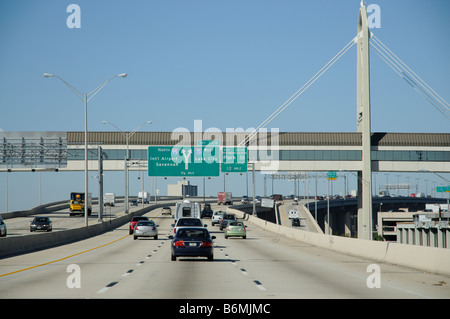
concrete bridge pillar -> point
(363, 126)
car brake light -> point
(154, 228)
(206, 244)
(178, 243)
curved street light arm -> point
(95, 91)
(73, 89)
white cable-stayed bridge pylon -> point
(399, 67)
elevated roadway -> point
(266, 265)
(20, 226)
(307, 222)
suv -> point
(207, 211)
(134, 221)
(225, 219)
(217, 217)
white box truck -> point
(146, 197)
(109, 199)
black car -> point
(207, 213)
(295, 222)
(41, 223)
(192, 242)
(225, 219)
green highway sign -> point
(443, 189)
(201, 160)
(331, 175)
(234, 159)
(183, 161)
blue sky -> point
(228, 63)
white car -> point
(293, 213)
(145, 228)
(187, 222)
(217, 217)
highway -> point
(61, 220)
(263, 266)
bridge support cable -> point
(298, 92)
(399, 67)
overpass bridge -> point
(290, 151)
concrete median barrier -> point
(429, 259)
(10, 246)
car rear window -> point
(235, 224)
(189, 222)
(146, 223)
(192, 233)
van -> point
(186, 209)
(109, 199)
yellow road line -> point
(54, 261)
(64, 258)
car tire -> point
(211, 258)
(135, 237)
(173, 258)
(226, 237)
(244, 237)
(155, 237)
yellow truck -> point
(77, 203)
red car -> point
(134, 221)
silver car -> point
(145, 228)
(166, 210)
(3, 230)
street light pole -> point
(86, 98)
(127, 139)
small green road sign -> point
(234, 159)
(332, 175)
(183, 161)
(443, 189)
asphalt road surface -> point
(263, 266)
